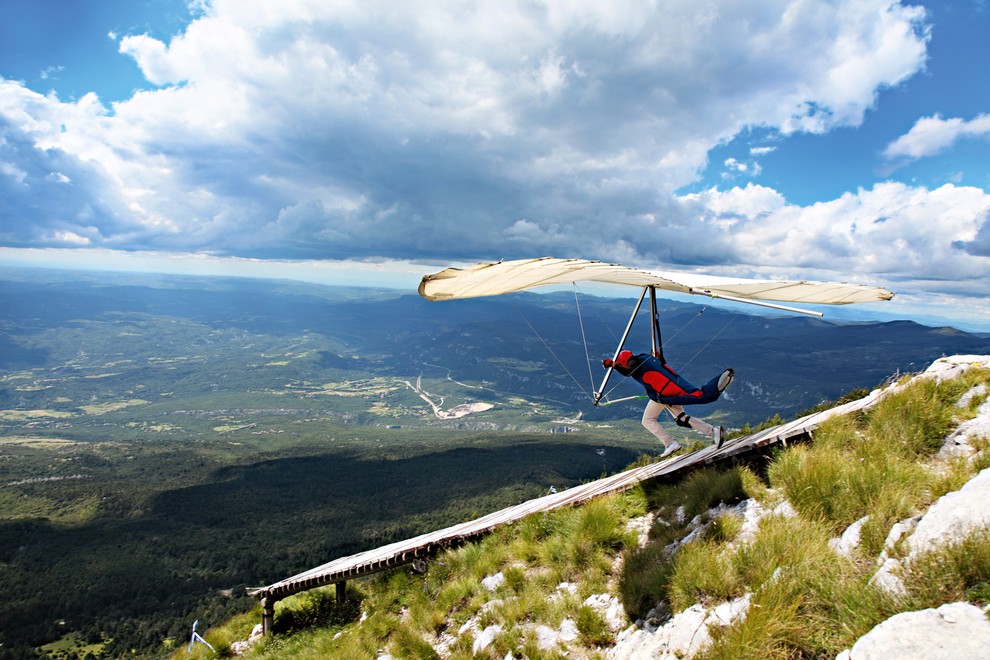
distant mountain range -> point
(532, 345)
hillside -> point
(881, 519)
(194, 437)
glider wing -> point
(492, 279)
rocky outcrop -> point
(951, 632)
(953, 517)
(683, 636)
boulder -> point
(849, 541)
(493, 582)
(951, 632)
(485, 638)
(959, 442)
(610, 608)
(954, 515)
(683, 636)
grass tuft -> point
(952, 573)
(645, 577)
(702, 573)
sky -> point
(374, 141)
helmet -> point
(622, 359)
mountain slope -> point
(773, 549)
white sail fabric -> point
(492, 279)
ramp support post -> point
(267, 614)
(341, 590)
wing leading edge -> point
(492, 279)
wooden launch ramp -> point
(338, 571)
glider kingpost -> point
(493, 279)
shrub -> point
(644, 579)
(813, 480)
(916, 420)
(317, 608)
(592, 626)
(724, 528)
(705, 488)
(698, 492)
(960, 571)
(408, 643)
(702, 573)
(807, 601)
(848, 474)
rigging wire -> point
(714, 337)
(543, 341)
(616, 337)
(686, 324)
(584, 338)
(587, 355)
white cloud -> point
(69, 238)
(892, 232)
(311, 129)
(14, 172)
(932, 135)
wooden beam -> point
(338, 571)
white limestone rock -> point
(954, 516)
(485, 638)
(683, 636)
(846, 544)
(610, 608)
(886, 578)
(752, 513)
(900, 530)
(563, 590)
(959, 442)
(975, 392)
(548, 638)
(493, 582)
(641, 526)
(242, 647)
(951, 632)
(954, 366)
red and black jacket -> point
(663, 384)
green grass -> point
(952, 573)
(406, 613)
(806, 601)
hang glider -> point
(492, 279)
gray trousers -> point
(652, 423)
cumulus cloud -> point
(435, 128)
(932, 135)
(891, 231)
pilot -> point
(670, 392)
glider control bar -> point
(625, 335)
(655, 332)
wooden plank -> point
(404, 552)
